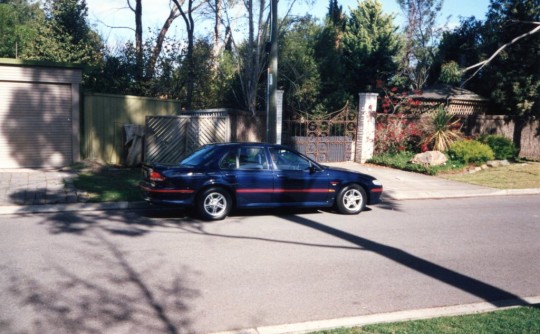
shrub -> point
(441, 130)
(394, 134)
(402, 160)
(503, 148)
(471, 151)
(396, 160)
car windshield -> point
(198, 157)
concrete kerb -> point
(50, 208)
(404, 195)
(407, 315)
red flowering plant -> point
(396, 133)
(397, 128)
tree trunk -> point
(519, 125)
(190, 27)
(138, 38)
(217, 33)
(151, 67)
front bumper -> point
(375, 196)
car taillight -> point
(155, 176)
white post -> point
(279, 115)
(365, 136)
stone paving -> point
(35, 187)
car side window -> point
(284, 159)
(228, 161)
(244, 158)
(252, 158)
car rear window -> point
(198, 157)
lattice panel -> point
(169, 138)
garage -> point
(39, 114)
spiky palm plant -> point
(441, 130)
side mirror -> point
(313, 169)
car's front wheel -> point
(214, 204)
(351, 200)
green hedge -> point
(402, 160)
(502, 147)
(471, 151)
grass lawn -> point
(521, 320)
(514, 176)
(109, 184)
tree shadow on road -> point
(111, 294)
(102, 301)
(485, 291)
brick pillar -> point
(365, 135)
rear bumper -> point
(167, 196)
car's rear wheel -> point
(214, 204)
(351, 200)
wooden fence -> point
(169, 138)
(104, 117)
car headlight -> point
(377, 182)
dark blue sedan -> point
(218, 177)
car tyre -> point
(351, 200)
(214, 204)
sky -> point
(106, 13)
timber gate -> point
(324, 138)
(169, 138)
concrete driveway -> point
(402, 185)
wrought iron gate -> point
(324, 138)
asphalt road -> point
(164, 272)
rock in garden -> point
(432, 158)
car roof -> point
(232, 144)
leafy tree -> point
(450, 73)
(299, 71)
(329, 55)
(421, 40)
(505, 53)
(515, 73)
(251, 19)
(64, 35)
(371, 45)
(18, 26)
(462, 46)
(210, 82)
(117, 73)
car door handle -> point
(282, 176)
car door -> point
(296, 181)
(248, 171)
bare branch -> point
(130, 6)
(482, 64)
(114, 27)
(150, 68)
